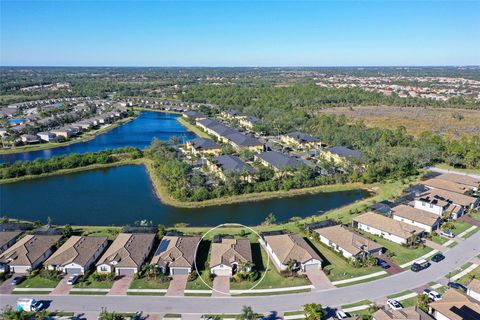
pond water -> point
(123, 195)
(136, 133)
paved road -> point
(435, 169)
(375, 290)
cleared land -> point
(415, 119)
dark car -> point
(420, 265)
(382, 263)
(457, 285)
(17, 280)
(438, 257)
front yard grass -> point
(460, 226)
(438, 239)
(38, 282)
(143, 283)
(91, 283)
(466, 278)
(357, 304)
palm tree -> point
(291, 266)
(247, 314)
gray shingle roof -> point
(243, 140)
(345, 152)
(204, 144)
(279, 160)
(232, 164)
(302, 137)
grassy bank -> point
(73, 170)
(51, 145)
(192, 128)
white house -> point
(473, 289)
(445, 203)
(390, 229)
(283, 248)
(350, 244)
(228, 256)
(126, 254)
(416, 217)
(29, 252)
(46, 136)
(454, 305)
(77, 254)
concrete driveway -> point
(177, 285)
(62, 288)
(319, 279)
(394, 268)
(221, 286)
(121, 285)
(6, 287)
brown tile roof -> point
(414, 214)
(77, 250)
(437, 183)
(403, 314)
(128, 250)
(348, 240)
(176, 251)
(442, 196)
(229, 251)
(291, 246)
(388, 225)
(28, 250)
(461, 179)
(474, 285)
(457, 306)
(7, 236)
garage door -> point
(222, 272)
(178, 271)
(73, 271)
(126, 272)
(313, 266)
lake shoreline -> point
(88, 136)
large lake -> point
(136, 133)
(123, 195)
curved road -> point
(455, 257)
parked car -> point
(438, 257)
(432, 294)
(72, 279)
(341, 315)
(447, 233)
(457, 285)
(29, 305)
(382, 263)
(17, 280)
(420, 265)
(394, 304)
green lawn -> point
(410, 302)
(471, 233)
(438, 239)
(475, 215)
(143, 283)
(357, 304)
(457, 271)
(399, 294)
(460, 226)
(38, 282)
(402, 254)
(91, 283)
(466, 278)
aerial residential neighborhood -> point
(239, 160)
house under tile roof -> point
(127, 250)
(279, 160)
(176, 251)
(28, 249)
(77, 250)
(291, 246)
(229, 251)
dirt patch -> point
(444, 121)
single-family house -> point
(300, 140)
(63, 132)
(193, 115)
(416, 217)
(7, 239)
(342, 155)
(409, 313)
(29, 138)
(232, 114)
(388, 228)
(29, 252)
(285, 248)
(77, 255)
(349, 243)
(229, 256)
(246, 142)
(176, 254)
(446, 203)
(437, 183)
(473, 289)
(249, 122)
(202, 146)
(225, 165)
(126, 254)
(455, 305)
(468, 181)
(46, 136)
(278, 161)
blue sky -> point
(239, 33)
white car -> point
(72, 279)
(394, 304)
(341, 315)
(432, 294)
(447, 233)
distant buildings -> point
(224, 165)
(301, 140)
